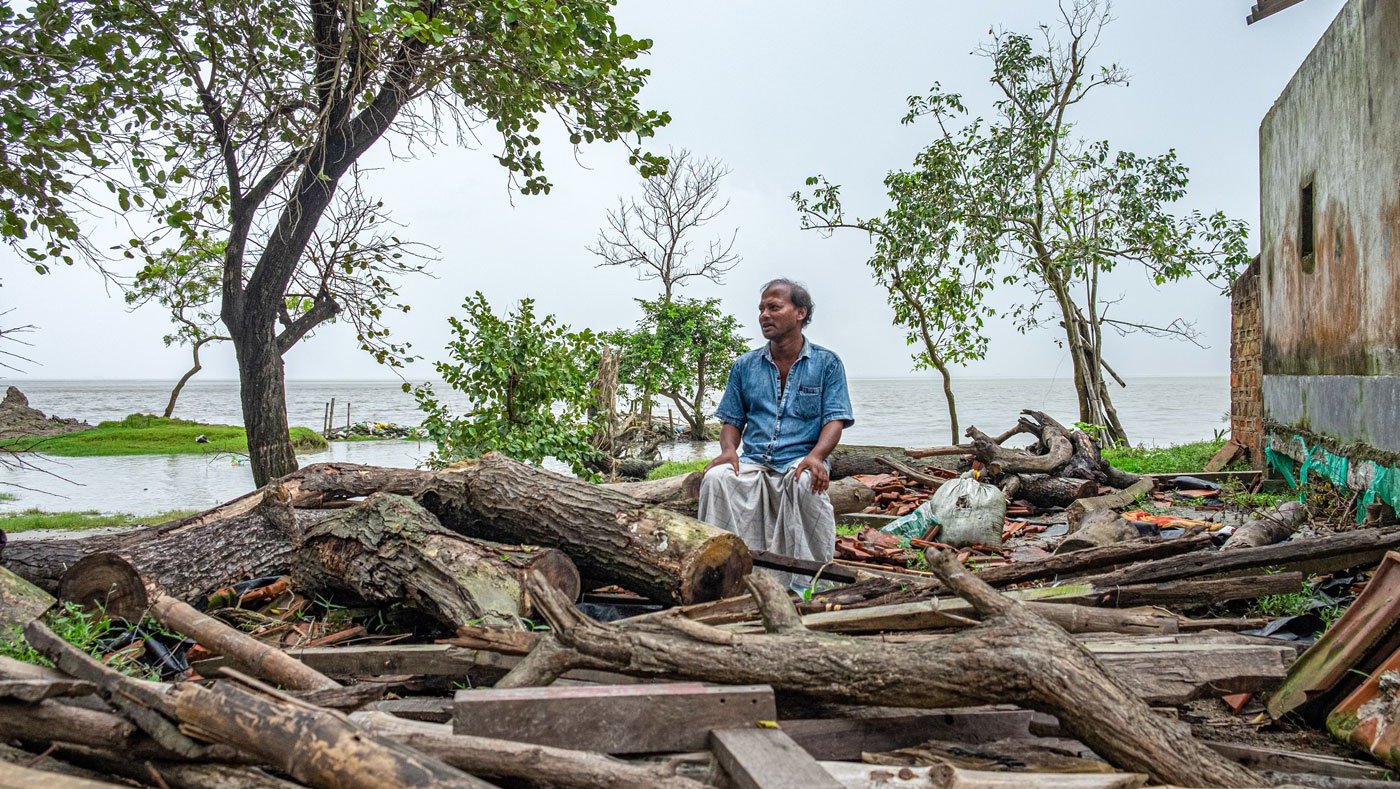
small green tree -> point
(1052, 213)
(187, 283)
(528, 380)
(681, 349)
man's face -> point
(777, 317)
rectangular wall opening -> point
(1306, 249)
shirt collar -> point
(803, 354)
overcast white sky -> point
(777, 91)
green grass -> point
(1179, 458)
(675, 468)
(79, 628)
(142, 434)
(31, 519)
(6, 496)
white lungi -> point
(771, 511)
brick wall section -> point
(1247, 365)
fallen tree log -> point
(1013, 656)
(1273, 525)
(390, 549)
(664, 555)
(187, 562)
(312, 745)
(1204, 563)
(1044, 490)
(850, 459)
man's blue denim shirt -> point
(780, 425)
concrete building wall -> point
(1330, 320)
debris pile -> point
(497, 624)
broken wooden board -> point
(945, 776)
(767, 758)
(1221, 459)
(614, 719)
(845, 739)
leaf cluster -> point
(681, 349)
(528, 380)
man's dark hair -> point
(797, 294)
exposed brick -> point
(1246, 365)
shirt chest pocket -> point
(808, 402)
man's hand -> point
(725, 456)
(821, 478)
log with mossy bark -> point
(389, 549)
(612, 537)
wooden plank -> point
(1280, 761)
(845, 739)
(826, 570)
(1110, 501)
(768, 759)
(433, 709)
(1202, 592)
(14, 776)
(878, 776)
(618, 719)
(1222, 458)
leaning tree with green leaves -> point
(681, 349)
(238, 121)
(1034, 206)
(529, 381)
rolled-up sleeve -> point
(731, 409)
(836, 398)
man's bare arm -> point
(815, 461)
(729, 438)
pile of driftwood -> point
(1070, 669)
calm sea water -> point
(894, 411)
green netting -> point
(1317, 460)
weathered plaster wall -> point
(1331, 326)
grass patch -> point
(6, 496)
(31, 519)
(143, 434)
(675, 468)
(83, 630)
(1179, 458)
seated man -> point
(788, 403)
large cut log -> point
(1273, 525)
(389, 549)
(186, 562)
(681, 488)
(1014, 656)
(611, 537)
(848, 496)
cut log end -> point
(716, 570)
(559, 572)
(106, 582)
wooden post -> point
(330, 419)
(347, 418)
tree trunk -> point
(190, 373)
(186, 562)
(1014, 656)
(1044, 490)
(850, 459)
(1271, 526)
(848, 496)
(948, 395)
(263, 392)
(389, 549)
(664, 555)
